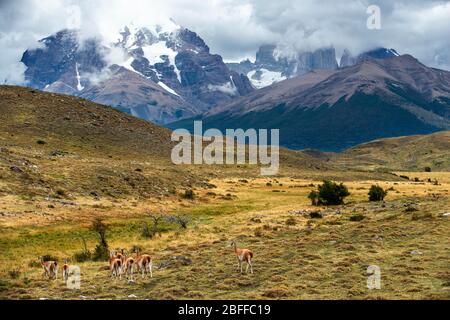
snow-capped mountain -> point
(173, 73)
(349, 60)
(272, 65)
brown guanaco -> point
(243, 255)
(144, 264)
(50, 268)
(65, 271)
(115, 265)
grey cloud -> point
(236, 28)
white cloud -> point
(236, 28)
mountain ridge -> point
(334, 110)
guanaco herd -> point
(120, 263)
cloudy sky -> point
(236, 28)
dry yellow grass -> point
(305, 259)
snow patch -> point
(127, 65)
(168, 89)
(79, 86)
(156, 51)
(263, 78)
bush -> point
(150, 232)
(101, 252)
(316, 215)
(14, 274)
(357, 218)
(60, 193)
(182, 221)
(84, 255)
(189, 194)
(291, 221)
(314, 197)
(329, 193)
(377, 193)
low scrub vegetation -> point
(377, 193)
(329, 193)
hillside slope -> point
(57, 145)
(403, 153)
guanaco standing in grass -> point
(65, 271)
(144, 264)
(50, 268)
(115, 265)
(243, 255)
(128, 267)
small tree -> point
(148, 232)
(377, 193)
(101, 250)
(331, 193)
(182, 221)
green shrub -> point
(357, 217)
(291, 221)
(316, 215)
(314, 197)
(101, 252)
(84, 255)
(329, 193)
(189, 194)
(14, 274)
(377, 193)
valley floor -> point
(295, 256)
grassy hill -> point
(57, 145)
(413, 153)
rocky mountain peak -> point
(174, 58)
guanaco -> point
(144, 264)
(115, 265)
(243, 255)
(50, 268)
(65, 271)
(128, 267)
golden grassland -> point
(65, 161)
(296, 256)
